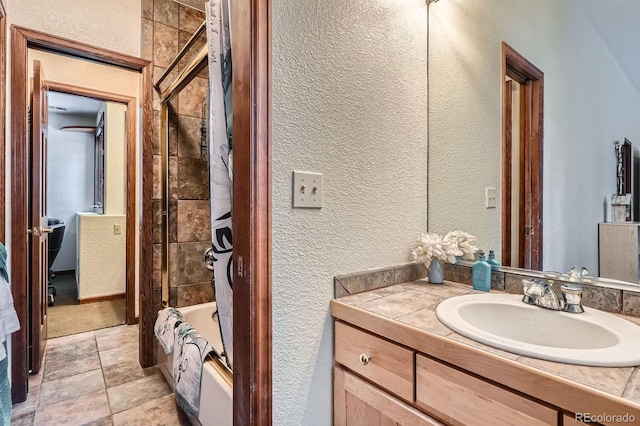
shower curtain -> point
(220, 164)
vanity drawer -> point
(390, 366)
(463, 399)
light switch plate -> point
(491, 198)
(117, 229)
(307, 190)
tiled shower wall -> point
(166, 27)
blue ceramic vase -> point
(436, 272)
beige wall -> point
(115, 189)
(349, 101)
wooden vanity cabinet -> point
(395, 385)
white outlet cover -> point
(491, 198)
(307, 190)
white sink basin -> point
(505, 322)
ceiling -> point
(618, 22)
(72, 104)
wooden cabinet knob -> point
(364, 359)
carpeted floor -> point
(68, 317)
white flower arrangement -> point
(433, 246)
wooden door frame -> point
(130, 172)
(251, 47)
(520, 69)
(3, 115)
(23, 39)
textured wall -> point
(589, 103)
(111, 24)
(349, 101)
(166, 27)
(69, 180)
(115, 159)
(101, 261)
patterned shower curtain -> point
(220, 164)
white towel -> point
(8, 318)
(188, 357)
(168, 319)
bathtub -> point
(216, 394)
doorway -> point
(24, 42)
(522, 160)
(86, 192)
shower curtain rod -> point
(181, 54)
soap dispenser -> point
(481, 274)
(492, 261)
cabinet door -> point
(463, 399)
(358, 403)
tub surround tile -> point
(126, 372)
(190, 98)
(194, 221)
(157, 221)
(193, 294)
(60, 368)
(190, 268)
(606, 299)
(146, 39)
(165, 44)
(173, 296)
(157, 266)
(147, 9)
(71, 387)
(193, 182)
(609, 379)
(425, 319)
(188, 137)
(160, 412)
(137, 392)
(166, 12)
(173, 221)
(174, 178)
(157, 178)
(124, 353)
(185, 36)
(190, 19)
(173, 264)
(76, 411)
(631, 303)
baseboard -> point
(66, 272)
(102, 298)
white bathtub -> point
(216, 394)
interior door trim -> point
(21, 40)
(3, 114)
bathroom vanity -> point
(396, 363)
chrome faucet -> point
(540, 293)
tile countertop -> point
(388, 311)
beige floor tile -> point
(57, 369)
(105, 421)
(115, 330)
(54, 391)
(159, 412)
(72, 350)
(125, 372)
(115, 340)
(137, 392)
(28, 406)
(24, 419)
(124, 353)
(73, 338)
(74, 412)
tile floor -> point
(94, 378)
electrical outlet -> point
(491, 198)
(117, 229)
(307, 190)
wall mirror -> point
(591, 99)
